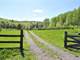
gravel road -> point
(40, 54)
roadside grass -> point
(14, 54)
(56, 37)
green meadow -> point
(56, 38)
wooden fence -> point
(75, 42)
(20, 42)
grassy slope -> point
(55, 37)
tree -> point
(54, 21)
(19, 26)
(71, 18)
(46, 22)
(76, 16)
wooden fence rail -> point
(75, 41)
(21, 40)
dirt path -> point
(62, 54)
(36, 50)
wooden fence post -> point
(21, 43)
(21, 39)
(65, 39)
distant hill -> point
(7, 23)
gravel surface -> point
(40, 54)
(61, 53)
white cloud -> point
(37, 18)
(38, 11)
(37, 15)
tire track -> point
(36, 50)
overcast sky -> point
(36, 10)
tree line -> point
(12, 24)
(68, 19)
(63, 20)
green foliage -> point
(12, 24)
(71, 18)
(46, 23)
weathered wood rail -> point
(75, 41)
(20, 42)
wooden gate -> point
(73, 39)
(20, 42)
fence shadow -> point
(74, 50)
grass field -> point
(11, 32)
(14, 54)
(56, 37)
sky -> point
(35, 10)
